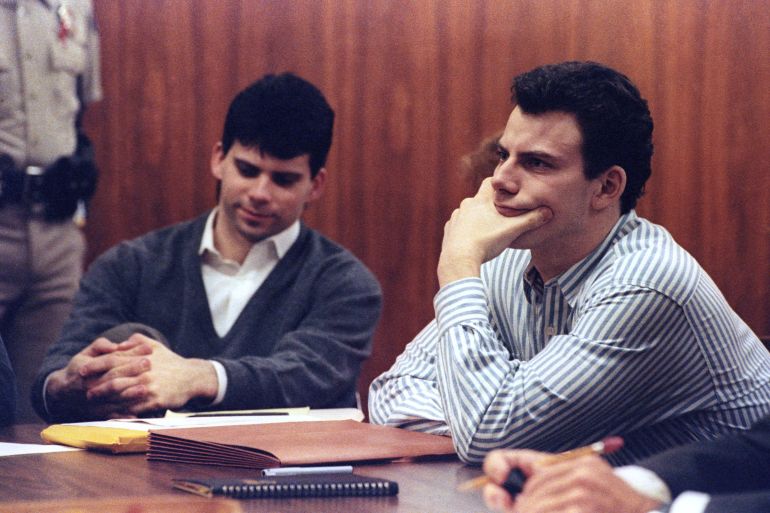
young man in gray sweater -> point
(243, 307)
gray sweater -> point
(299, 341)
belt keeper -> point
(33, 188)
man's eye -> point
(285, 180)
(502, 155)
(535, 163)
(247, 171)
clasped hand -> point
(126, 379)
(476, 233)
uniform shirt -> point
(44, 47)
(634, 340)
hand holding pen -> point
(535, 464)
(516, 477)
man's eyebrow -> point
(285, 172)
(538, 154)
(245, 163)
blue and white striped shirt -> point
(633, 340)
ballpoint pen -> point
(300, 471)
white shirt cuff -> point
(690, 502)
(221, 380)
(645, 482)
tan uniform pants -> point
(40, 266)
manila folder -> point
(292, 443)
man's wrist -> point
(206, 381)
(451, 269)
(58, 386)
(62, 400)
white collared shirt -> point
(229, 285)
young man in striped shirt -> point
(562, 316)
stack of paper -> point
(130, 435)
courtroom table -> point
(424, 486)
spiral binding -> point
(364, 489)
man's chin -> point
(526, 240)
(254, 234)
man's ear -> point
(610, 186)
(217, 157)
(318, 185)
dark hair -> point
(285, 116)
(614, 119)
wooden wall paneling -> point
(707, 186)
(415, 86)
(401, 123)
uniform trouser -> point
(40, 267)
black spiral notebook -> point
(318, 485)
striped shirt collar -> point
(48, 3)
(572, 279)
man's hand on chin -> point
(477, 232)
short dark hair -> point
(614, 120)
(285, 115)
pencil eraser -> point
(515, 482)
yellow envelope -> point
(106, 439)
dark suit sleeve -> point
(734, 467)
(754, 502)
(7, 388)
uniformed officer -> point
(49, 67)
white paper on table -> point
(178, 421)
(13, 449)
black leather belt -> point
(53, 191)
(20, 186)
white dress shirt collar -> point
(281, 242)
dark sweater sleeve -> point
(317, 363)
(727, 468)
(103, 301)
(7, 388)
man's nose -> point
(260, 188)
(506, 177)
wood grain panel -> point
(416, 85)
